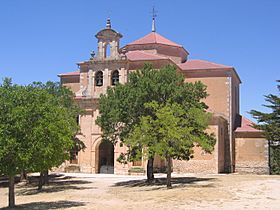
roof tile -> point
(201, 64)
(142, 56)
(246, 126)
(74, 73)
(154, 38)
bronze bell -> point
(99, 82)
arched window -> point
(99, 78)
(115, 77)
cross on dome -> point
(154, 15)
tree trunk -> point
(46, 177)
(23, 175)
(150, 170)
(11, 191)
(41, 180)
(168, 176)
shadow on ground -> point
(4, 181)
(177, 182)
(48, 205)
(49, 189)
(56, 183)
(31, 180)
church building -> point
(239, 147)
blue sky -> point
(40, 39)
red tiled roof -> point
(74, 73)
(201, 64)
(246, 126)
(154, 38)
(142, 56)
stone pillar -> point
(101, 49)
(83, 80)
(114, 48)
(109, 78)
(123, 75)
(93, 85)
(86, 129)
(90, 82)
(105, 80)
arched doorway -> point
(106, 158)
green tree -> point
(270, 124)
(36, 131)
(171, 131)
(14, 150)
(123, 106)
(54, 134)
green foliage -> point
(13, 126)
(148, 97)
(63, 97)
(275, 159)
(136, 170)
(172, 131)
(37, 126)
(270, 123)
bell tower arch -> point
(108, 42)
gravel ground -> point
(190, 191)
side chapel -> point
(239, 147)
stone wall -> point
(203, 162)
(252, 155)
(71, 82)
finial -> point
(108, 24)
(154, 21)
(92, 54)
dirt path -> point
(87, 191)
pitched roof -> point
(201, 64)
(74, 73)
(142, 56)
(246, 126)
(154, 38)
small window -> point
(99, 78)
(115, 77)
